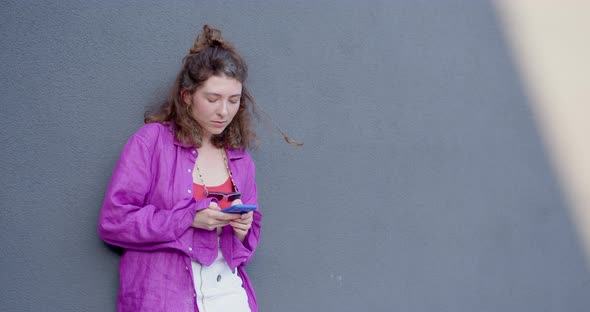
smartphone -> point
(239, 209)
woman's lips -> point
(218, 123)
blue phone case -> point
(239, 209)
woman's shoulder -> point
(154, 132)
(241, 158)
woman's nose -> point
(222, 109)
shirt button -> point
(189, 191)
(188, 170)
(194, 294)
(194, 152)
(190, 249)
(186, 268)
(219, 278)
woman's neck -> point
(207, 145)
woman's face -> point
(215, 104)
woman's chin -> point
(216, 131)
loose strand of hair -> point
(256, 109)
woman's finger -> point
(247, 216)
(218, 223)
(213, 205)
(241, 226)
(242, 221)
(222, 216)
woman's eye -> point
(212, 100)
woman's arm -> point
(124, 219)
(236, 251)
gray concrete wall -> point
(422, 185)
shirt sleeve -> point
(126, 221)
(234, 251)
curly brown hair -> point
(209, 56)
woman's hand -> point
(211, 218)
(242, 224)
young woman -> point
(162, 205)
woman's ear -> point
(186, 96)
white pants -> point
(218, 288)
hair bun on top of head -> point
(210, 37)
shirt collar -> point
(185, 145)
(235, 153)
(176, 142)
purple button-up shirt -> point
(148, 210)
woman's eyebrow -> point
(217, 94)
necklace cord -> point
(225, 161)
